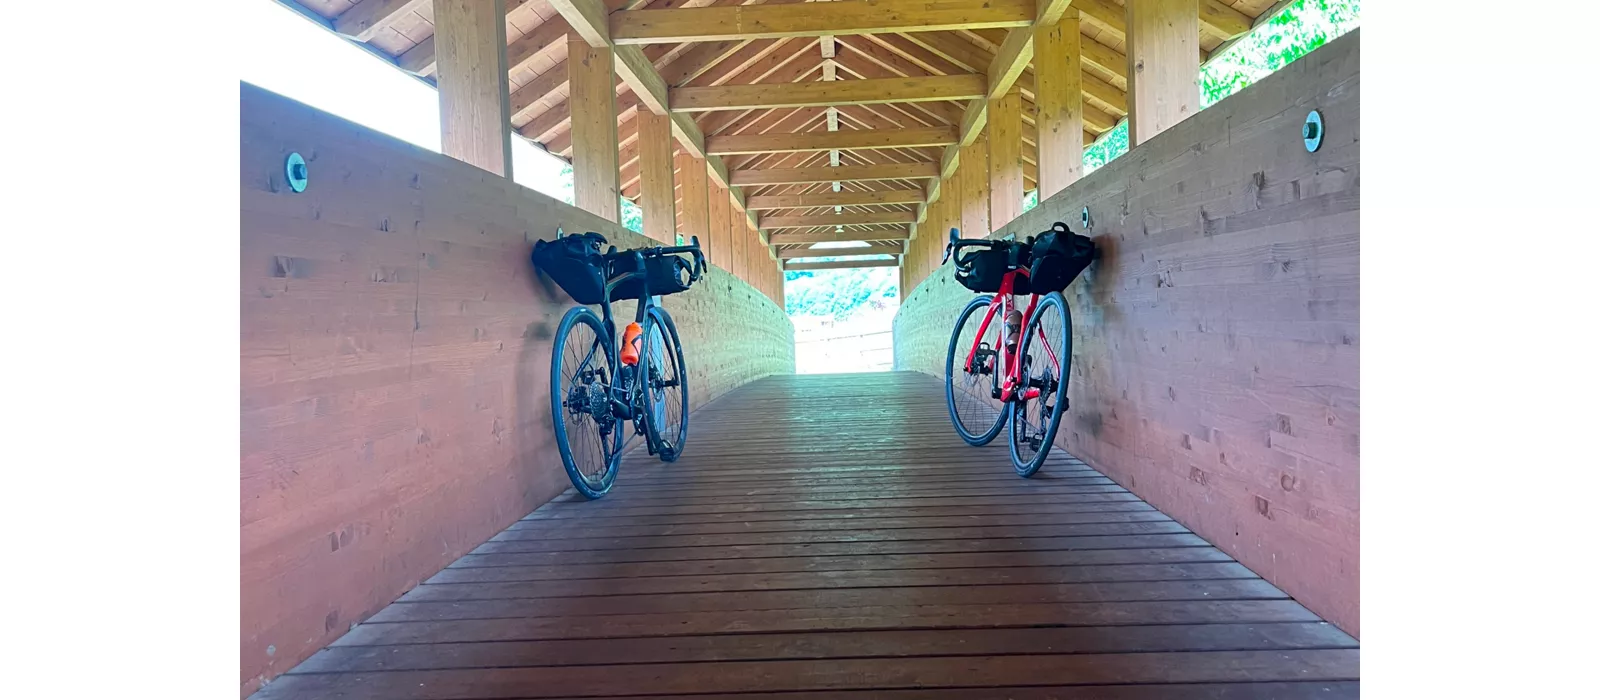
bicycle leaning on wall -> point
(1020, 374)
(597, 385)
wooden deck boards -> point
(830, 536)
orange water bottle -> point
(631, 344)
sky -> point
(287, 54)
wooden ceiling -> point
(894, 102)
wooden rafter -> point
(815, 19)
(856, 219)
(365, 19)
(831, 140)
(778, 176)
(835, 199)
(810, 237)
(809, 252)
(814, 94)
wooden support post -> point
(1005, 158)
(1059, 98)
(1163, 65)
(973, 173)
(594, 129)
(715, 243)
(694, 210)
(474, 95)
(655, 176)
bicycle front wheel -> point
(969, 389)
(588, 433)
(1046, 354)
(666, 386)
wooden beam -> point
(831, 140)
(815, 19)
(784, 176)
(846, 219)
(882, 249)
(896, 234)
(655, 176)
(420, 59)
(823, 94)
(366, 18)
(1050, 12)
(588, 19)
(1164, 66)
(636, 71)
(834, 199)
(1059, 103)
(1221, 20)
(1005, 158)
(594, 128)
(474, 114)
(693, 212)
(1010, 61)
(841, 264)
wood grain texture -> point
(844, 219)
(1163, 66)
(474, 115)
(820, 94)
(694, 213)
(1058, 49)
(649, 593)
(594, 129)
(830, 199)
(394, 356)
(850, 17)
(783, 176)
(831, 140)
(1005, 158)
(655, 177)
(1216, 358)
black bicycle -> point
(597, 385)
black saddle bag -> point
(1059, 256)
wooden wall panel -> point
(1216, 345)
(394, 361)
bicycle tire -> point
(974, 403)
(565, 400)
(667, 438)
(1053, 396)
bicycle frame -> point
(1009, 367)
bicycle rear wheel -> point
(1046, 354)
(969, 391)
(588, 433)
(666, 386)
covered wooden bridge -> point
(407, 530)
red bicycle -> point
(1020, 375)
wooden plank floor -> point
(830, 536)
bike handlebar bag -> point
(984, 270)
(576, 264)
(665, 274)
(1059, 256)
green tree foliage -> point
(839, 293)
